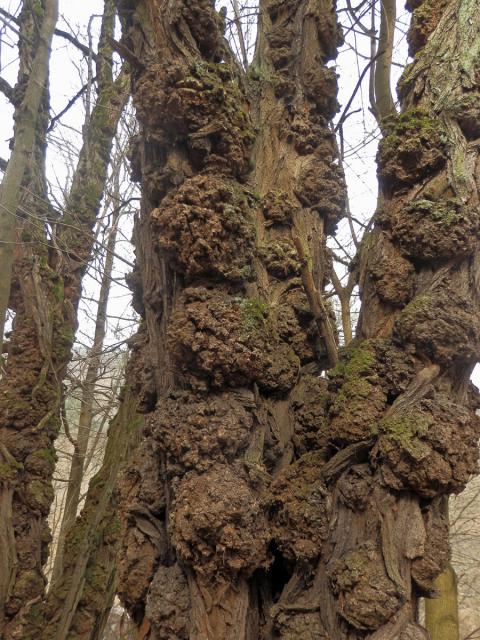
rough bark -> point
(29, 192)
(402, 393)
(33, 80)
(275, 503)
(230, 347)
(45, 291)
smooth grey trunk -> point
(384, 105)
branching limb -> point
(7, 90)
(241, 39)
(384, 105)
(343, 294)
(317, 304)
(57, 32)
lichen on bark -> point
(344, 473)
(228, 338)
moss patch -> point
(359, 399)
(412, 148)
(356, 361)
(406, 429)
(254, 312)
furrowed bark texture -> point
(79, 602)
(33, 81)
(46, 287)
(281, 505)
(231, 353)
(403, 412)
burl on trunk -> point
(266, 500)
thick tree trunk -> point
(263, 504)
(45, 292)
(403, 414)
(232, 354)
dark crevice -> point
(280, 572)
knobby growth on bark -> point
(232, 169)
(402, 392)
(267, 501)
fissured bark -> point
(267, 501)
(231, 168)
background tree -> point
(36, 29)
(52, 256)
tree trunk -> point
(275, 503)
(87, 404)
(79, 602)
(384, 105)
(28, 117)
(46, 288)
(403, 411)
(231, 349)
(441, 612)
(23, 183)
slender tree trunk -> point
(384, 105)
(87, 405)
(264, 501)
(441, 612)
(27, 116)
(45, 293)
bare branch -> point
(316, 303)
